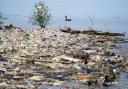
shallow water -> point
(122, 80)
(123, 47)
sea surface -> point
(113, 24)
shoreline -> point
(50, 57)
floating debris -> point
(51, 58)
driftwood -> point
(69, 30)
(91, 32)
(110, 34)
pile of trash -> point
(38, 59)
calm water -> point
(110, 24)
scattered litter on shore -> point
(53, 59)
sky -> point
(76, 9)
